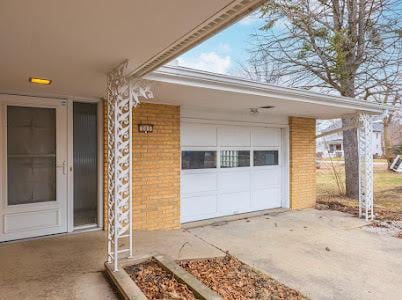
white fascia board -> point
(201, 79)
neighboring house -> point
(331, 145)
(203, 146)
(378, 140)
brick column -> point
(156, 167)
(302, 162)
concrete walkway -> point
(290, 247)
(324, 254)
(71, 266)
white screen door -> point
(34, 169)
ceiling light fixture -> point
(41, 81)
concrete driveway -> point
(289, 246)
(324, 254)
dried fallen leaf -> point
(234, 280)
(157, 283)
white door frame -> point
(61, 201)
(42, 101)
(70, 150)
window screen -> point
(235, 158)
(198, 159)
(266, 158)
(31, 154)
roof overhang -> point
(75, 43)
(199, 89)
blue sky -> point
(223, 52)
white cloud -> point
(207, 61)
(224, 48)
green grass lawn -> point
(387, 185)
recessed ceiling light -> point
(41, 81)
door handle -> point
(64, 166)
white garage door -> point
(229, 170)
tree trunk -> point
(350, 148)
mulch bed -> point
(157, 283)
(232, 279)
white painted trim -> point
(100, 164)
(234, 10)
(26, 100)
(283, 152)
(61, 203)
(100, 205)
(232, 123)
(70, 156)
(285, 184)
(202, 79)
(46, 96)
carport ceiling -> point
(75, 43)
(197, 89)
(218, 100)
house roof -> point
(194, 88)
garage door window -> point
(198, 160)
(235, 159)
(266, 158)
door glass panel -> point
(31, 154)
(235, 158)
(198, 160)
(266, 158)
(85, 164)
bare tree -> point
(349, 47)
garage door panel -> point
(197, 208)
(266, 137)
(266, 198)
(234, 136)
(266, 177)
(234, 181)
(198, 183)
(233, 203)
(232, 187)
(198, 135)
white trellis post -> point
(364, 131)
(123, 95)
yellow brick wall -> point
(156, 168)
(302, 162)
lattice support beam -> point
(123, 96)
(364, 131)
